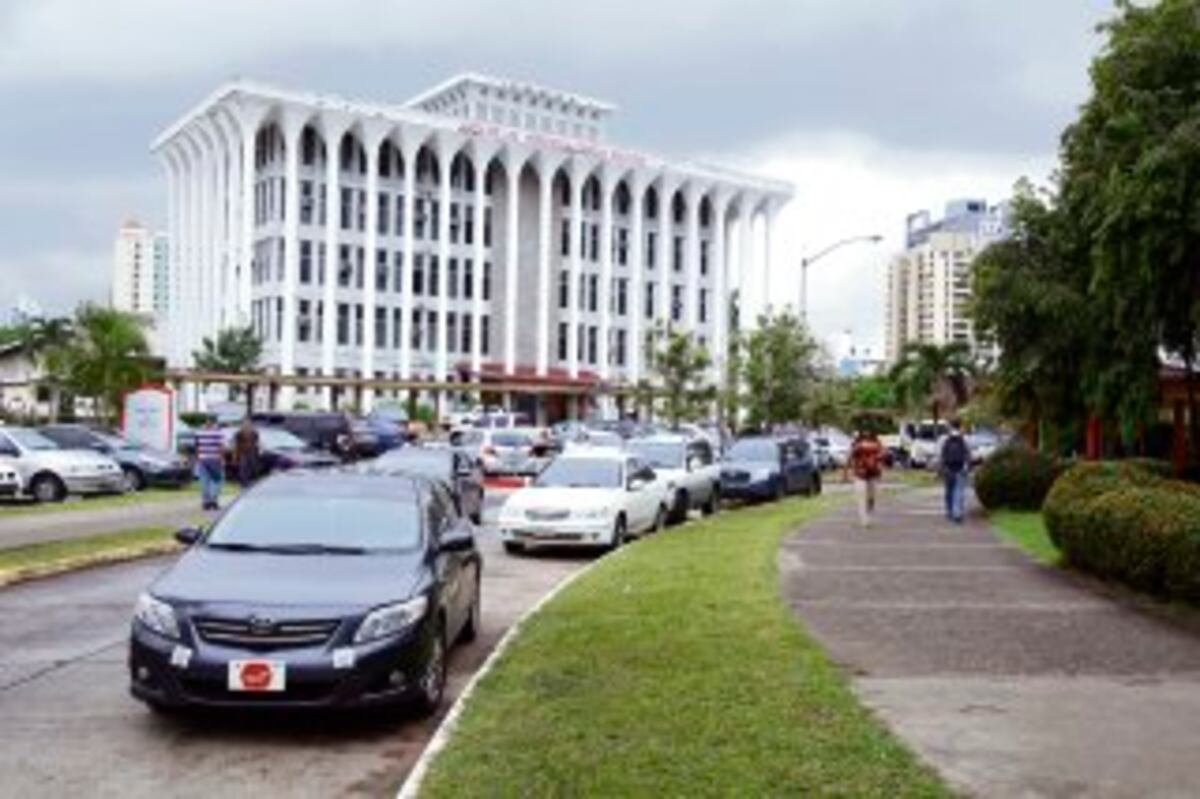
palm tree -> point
(235, 351)
(936, 374)
(44, 342)
(106, 357)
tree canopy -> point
(780, 371)
(933, 376)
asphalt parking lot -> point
(70, 727)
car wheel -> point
(714, 498)
(47, 488)
(513, 548)
(134, 479)
(431, 685)
(778, 492)
(477, 518)
(816, 485)
(618, 535)
(470, 630)
(679, 509)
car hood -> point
(307, 456)
(214, 577)
(573, 499)
(66, 458)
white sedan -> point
(586, 497)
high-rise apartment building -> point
(929, 284)
(141, 277)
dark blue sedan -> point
(769, 468)
(330, 590)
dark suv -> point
(333, 432)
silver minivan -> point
(49, 473)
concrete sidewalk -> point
(1011, 678)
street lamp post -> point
(809, 260)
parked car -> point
(831, 449)
(458, 469)
(10, 479)
(48, 473)
(279, 451)
(766, 467)
(389, 434)
(335, 433)
(594, 498)
(505, 451)
(688, 466)
(920, 441)
(282, 604)
(140, 465)
(502, 420)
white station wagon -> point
(586, 497)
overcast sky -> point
(872, 108)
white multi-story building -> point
(140, 270)
(929, 285)
(484, 230)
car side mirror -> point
(456, 539)
(636, 483)
(188, 535)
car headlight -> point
(157, 615)
(591, 513)
(391, 619)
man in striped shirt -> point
(210, 464)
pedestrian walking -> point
(210, 464)
(866, 463)
(954, 455)
(247, 453)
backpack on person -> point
(954, 453)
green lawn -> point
(1027, 530)
(10, 508)
(58, 556)
(675, 669)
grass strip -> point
(55, 557)
(674, 668)
(149, 496)
(1027, 530)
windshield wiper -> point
(315, 549)
(235, 546)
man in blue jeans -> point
(210, 464)
(955, 459)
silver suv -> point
(48, 473)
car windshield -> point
(117, 442)
(754, 449)
(30, 439)
(660, 455)
(511, 440)
(277, 438)
(581, 473)
(304, 523)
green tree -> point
(1131, 176)
(681, 368)
(934, 376)
(106, 356)
(44, 342)
(235, 351)
(782, 365)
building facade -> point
(483, 230)
(929, 284)
(141, 271)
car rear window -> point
(511, 440)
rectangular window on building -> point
(594, 252)
(321, 264)
(358, 325)
(384, 212)
(452, 332)
(280, 260)
(565, 194)
(703, 309)
(466, 332)
(454, 222)
(649, 305)
(485, 338)
(677, 254)
(593, 339)
(418, 329)
(651, 248)
(347, 207)
(380, 328)
(306, 202)
(583, 238)
(319, 322)
(431, 326)
(704, 257)
(305, 262)
(452, 279)
(398, 271)
(565, 246)
(303, 321)
(622, 247)
(563, 341)
(622, 299)
(381, 270)
(343, 324)
(308, 152)
(487, 280)
(593, 293)
(487, 227)
(399, 227)
(582, 299)
(321, 206)
(358, 267)
(564, 288)
(620, 348)
(468, 224)
(676, 303)
(419, 218)
(418, 274)
(580, 342)
(468, 279)
(397, 328)
(434, 286)
(361, 209)
(435, 213)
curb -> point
(411, 786)
(62, 567)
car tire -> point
(134, 479)
(778, 492)
(618, 535)
(513, 548)
(714, 500)
(815, 485)
(477, 518)
(47, 488)
(470, 630)
(431, 685)
(680, 507)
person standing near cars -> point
(210, 464)
(866, 462)
(246, 453)
(954, 455)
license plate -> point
(257, 676)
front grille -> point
(256, 634)
(546, 515)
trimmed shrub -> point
(1124, 520)
(1015, 477)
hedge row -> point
(1015, 477)
(1127, 521)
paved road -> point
(1013, 679)
(69, 727)
(35, 528)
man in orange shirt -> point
(866, 462)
